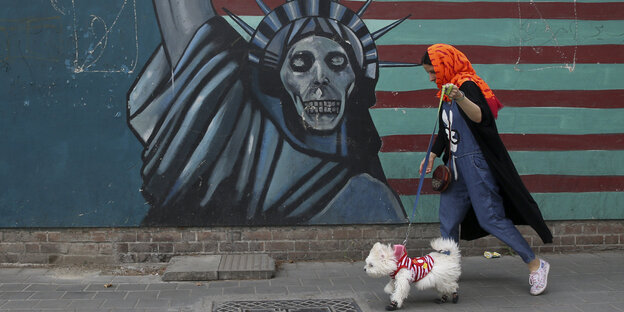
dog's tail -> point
(446, 246)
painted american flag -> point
(556, 66)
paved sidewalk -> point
(578, 282)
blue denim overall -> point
(473, 184)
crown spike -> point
(378, 34)
(364, 7)
(265, 9)
(384, 64)
(248, 29)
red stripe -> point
(535, 183)
(511, 98)
(478, 54)
(456, 10)
(518, 142)
(560, 142)
(410, 186)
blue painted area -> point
(67, 157)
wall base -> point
(113, 246)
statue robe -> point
(218, 151)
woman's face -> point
(431, 72)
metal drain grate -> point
(308, 305)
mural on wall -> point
(72, 149)
(273, 131)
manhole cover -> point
(308, 305)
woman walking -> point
(486, 194)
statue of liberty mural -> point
(274, 131)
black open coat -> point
(520, 206)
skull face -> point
(317, 75)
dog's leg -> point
(446, 292)
(442, 298)
(454, 292)
(443, 291)
(401, 291)
(389, 289)
(392, 306)
(401, 287)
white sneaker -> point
(539, 279)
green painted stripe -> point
(404, 165)
(590, 163)
(554, 206)
(581, 206)
(515, 77)
(513, 120)
(427, 210)
(492, 32)
(396, 121)
(502, 32)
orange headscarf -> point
(451, 65)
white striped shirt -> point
(419, 267)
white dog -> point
(440, 270)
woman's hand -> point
(432, 157)
(471, 109)
(453, 92)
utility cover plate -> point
(307, 305)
